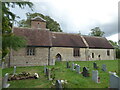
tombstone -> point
(45, 69)
(46, 72)
(95, 77)
(3, 65)
(67, 64)
(14, 70)
(49, 74)
(95, 65)
(114, 81)
(104, 67)
(5, 80)
(73, 66)
(58, 84)
(78, 69)
(85, 72)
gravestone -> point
(3, 65)
(95, 77)
(58, 84)
(5, 80)
(85, 72)
(104, 67)
(114, 81)
(49, 74)
(73, 66)
(14, 70)
(78, 69)
(45, 68)
(95, 65)
(67, 65)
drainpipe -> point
(49, 55)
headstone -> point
(73, 66)
(104, 67)
(95, 65)
(78, 69)
(58, 84)
(95, 77)
(45, 69)
(5, 80)
(14, 70)
(49, 74)
(3, 65)
(114, 81)
(85, 72)
(67, 64)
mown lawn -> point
(61, 72)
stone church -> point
(45, 47)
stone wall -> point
(66, 54)
(20, 58)
(102, 53)
(38, 24)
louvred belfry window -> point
(76, 52)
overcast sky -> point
(76, 16)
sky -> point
(76, 16)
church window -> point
(108, 52)
(76, 52)
(92, 55)
(30, 51)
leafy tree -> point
(9, 40)
(117, 48)
(50, 23)
(97, 32)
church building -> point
(45, 47)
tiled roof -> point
(36, 37)
(98, 42)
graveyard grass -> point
(74, 79)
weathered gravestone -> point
(45, 68)
(73, 66)
(95, 77)
(85, 72)
(58, 84)
(95, 65)
(49, 74)
(5, 80)
(14, 70)
(78, 69)
(67, 65)
(3, 65)
(114, 81)
(104, 67)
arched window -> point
(58, 57)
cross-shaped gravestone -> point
(85, 72)
(104, 67)
(3, 65)
(95, 65)
(114, 81)
(5, 80)
(58, 84)
(95, 77)
(14, 70)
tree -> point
(97, 32)
(117, 48)
(50, 23)
(9, 40)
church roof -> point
(36, 37)
(38, 18)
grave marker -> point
(78, 69)
(104, 67)
(49, 74)
(85, 72)
(73, 66)
(45, 68)
(5, 80)
(58, 84)
(14, 70)
(95, 77)
(95, 65)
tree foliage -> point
(9, 40)
(97, 32)
(50, 23)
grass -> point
(61, 72)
